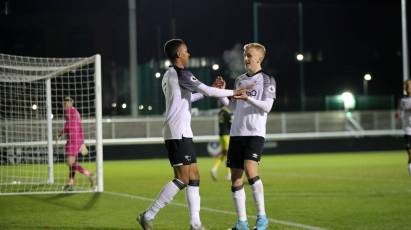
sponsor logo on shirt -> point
(251, 92)
(254, 155)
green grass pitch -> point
(360, 190)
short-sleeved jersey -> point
(73, 130)
(225, 118)
(405, 112)
(249, 120)
(178, 85)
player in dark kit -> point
(225, 117)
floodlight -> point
(167, 63)
(348, 99)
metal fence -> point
(280, 126)
(288, 125)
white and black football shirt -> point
(178, 85)
(249, 118)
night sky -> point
(343, 39)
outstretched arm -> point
(213, 92)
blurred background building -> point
(338, 64)
(316, 49)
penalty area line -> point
(282, 222)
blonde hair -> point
(255, 45)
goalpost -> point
(32, 91)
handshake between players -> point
(240, 93)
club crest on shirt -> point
(194, 79)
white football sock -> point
(258, 195)
(193, 201)
(239, 204)
(164, 197)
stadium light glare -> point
(149, 108)
(34, 107)
(348, 100)
(114, 105)
(141, 107)
(367, 77)
(203, 62)
(215, 67)
(167, 63)
(300, 57)
(124, 105)
(157, 75)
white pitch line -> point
(282, 222)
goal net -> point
(32, 91)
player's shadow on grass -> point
(66, 200)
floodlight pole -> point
(132, 28)
(404, 40)
(256, 6)
(365, 87)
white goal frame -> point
(96, 121)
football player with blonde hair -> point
(247, 134)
